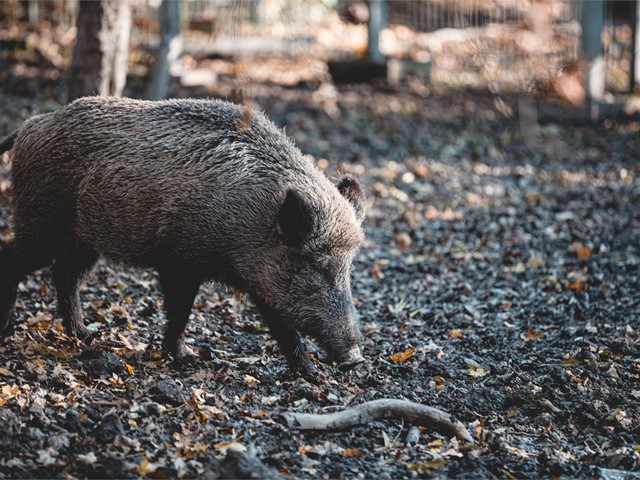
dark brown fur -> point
(177, 186)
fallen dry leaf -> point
(455, 333)
(313, 449)
(269, 400)
(249, 379)
(424, 467)
(576, 281)
(376, 270)
(88, 459)
(352, 452)
(116, 381)
(145, 467)
(580, 250)
(549, 406)
(612, 372)
(508, 474)
(9, 391)
(535, 261)
(474, 368)
(225, 445)
(531, 334)
(41, 321)
(402, 241)
(439, 382)
(400, 357)
(517, 451)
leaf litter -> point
(498, 283)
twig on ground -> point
(413, 436)
(412, 413)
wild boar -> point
(198, 190)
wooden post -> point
(99, 63)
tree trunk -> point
(170, 48)
(99, 65)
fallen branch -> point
(412, 413)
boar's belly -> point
(141, 218)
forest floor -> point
(499, 281)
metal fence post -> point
(634, 79)
(377, 21)
(592, 23)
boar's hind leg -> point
(69, 267)
(15, 263)
(179, 293)
(9, 279)
(289, 342)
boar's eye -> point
(328, 270)
(295, 219)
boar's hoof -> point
(81, 333)
(181, 354)
(305, 369)
(353, 358)
(7, 330)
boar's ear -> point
(350, 189)
(295, 220)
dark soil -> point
(499, 281)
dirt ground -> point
(499, 281)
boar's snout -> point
(343, 340)
(351, 359)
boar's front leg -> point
(289, 342)
(69, 266)
(179, 293)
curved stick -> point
(412, 413)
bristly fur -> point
(193, 188)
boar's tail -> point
(7, 142)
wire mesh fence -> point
(515, 44)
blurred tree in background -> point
(99, 64)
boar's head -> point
(306, 285)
